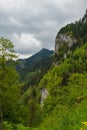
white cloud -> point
(23, 56)
(51, 24)
(25, 43)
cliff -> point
(69, 38)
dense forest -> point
(52, 93)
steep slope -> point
(65, 106)
(69, 38)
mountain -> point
(32, 69)
(38, 61)
(42, 54)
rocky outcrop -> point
(63, 45)
(44, 94)
(64, 39)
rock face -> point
(64, 39)
(44, 94)
(63, 45)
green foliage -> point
(65, 106)
(9, 126)
(9, 84)
(81, 53)
(34, 115)
(70, 105)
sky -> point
(33, 24)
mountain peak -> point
(43, 53)
(45, 50)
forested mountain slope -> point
(65, 106)
(32, 69)
(35, 62)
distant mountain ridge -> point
(42, 54)
(38, 61)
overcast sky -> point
(33, 24)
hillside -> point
(53, 97)
(65, 106)
(32, 69)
